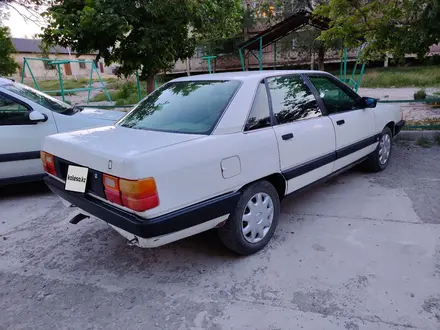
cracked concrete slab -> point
(360, 252)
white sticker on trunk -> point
(76, 179)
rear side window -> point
(292, 100)
(259, 116)
(192, 107)
(336, 98)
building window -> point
(200, 52)
(48, 66)
(82, 65)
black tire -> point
(231, 233)
(373, 163)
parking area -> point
(359, 252)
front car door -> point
(353, 123)
(21, 140)
(306, 138)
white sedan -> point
(218, 151)
(26, 117)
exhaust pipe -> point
(77, 218)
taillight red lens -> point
(111, 189)
(140, 204)
(48, 163)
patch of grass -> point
(110, 80)
(126, 93)
(55, 84)
(130, 100)
(102, 97)
(424, 142)
(424, 76)
(437, 139)
(116, 84)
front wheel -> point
(252, 224)
(379, 159)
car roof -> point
(245, 75)
(5, 81)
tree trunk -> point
(321, 58)
(150, 84)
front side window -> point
(40, 98)
(12, 113)
(336, 99)
(292, 100)
(259, 116)
(191, 107)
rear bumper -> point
(398, 127)
(177, 221)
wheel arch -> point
(391, 125)
(277, 180)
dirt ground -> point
(359, 252)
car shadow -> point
(105, 247)
(24, 189)
(93, 247)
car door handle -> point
(287, 136)
(340, 122)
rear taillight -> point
(111, 189)
(137, 195)
(48, 163)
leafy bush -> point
(420, 95)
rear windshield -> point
(192, 107)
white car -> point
(26, 117)
(218, 151)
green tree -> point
(387, 26)
(8, 65)
(305, 41)
(145, 35)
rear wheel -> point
(252, 224)
(379, 159)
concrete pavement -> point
(359, 252)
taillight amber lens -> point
(137, 195)
(138, 187)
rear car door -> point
(306, 138)
(353, 123)
(21, 139)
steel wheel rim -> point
(384, 149)
(257, 217)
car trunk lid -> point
(105, 148)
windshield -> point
(42, 99)
(192, 107)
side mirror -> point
(37, 117)
(369, 102)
